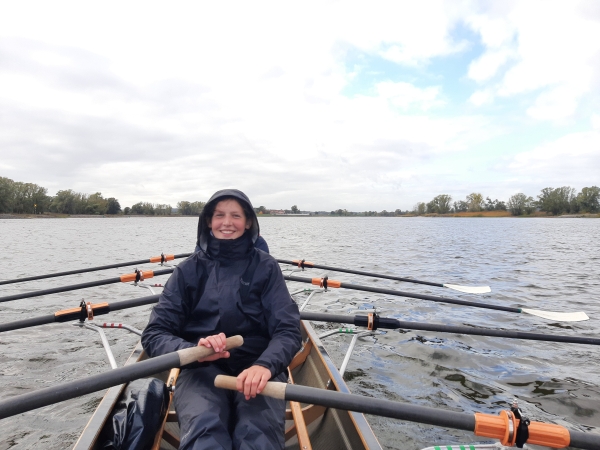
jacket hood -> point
(204, 230)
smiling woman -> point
(228, 221)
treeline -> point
(554, 201)
(29, 198)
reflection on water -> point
(548, 264)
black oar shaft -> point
(380, 407)
(91, 269)
(359, 272)
(393, 324)
(74, 287)
(48, 396)
(75, 313)
(432, 298)
(485, 425)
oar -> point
(373, 321)
(551, 315)
(501, 427)
(155, 259)
(82, 312)
(55, 394)
(136, 276)
(456, 287)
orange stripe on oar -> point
(326, 282)
(77, 310)
(302, 263)
(504, 427)
(133, 276)
(162, 258)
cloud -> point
(165, 104)
(554, 56)
(570, 160)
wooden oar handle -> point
(273, 389)
(193, 354)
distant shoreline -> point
(482, 214)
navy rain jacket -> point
(202, 298)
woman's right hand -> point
(217, 342)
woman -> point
(227, 288)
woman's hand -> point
(217, 342)
(253, 380)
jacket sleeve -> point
(167, 320)
(283, 321)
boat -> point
(307, 426)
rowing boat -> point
(306, 425)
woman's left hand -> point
(252, 381)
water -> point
(548, 264)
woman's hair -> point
(209, 209)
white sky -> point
(326, 105)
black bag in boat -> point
(137, 417)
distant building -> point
(277, 212)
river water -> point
(547, 264)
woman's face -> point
(228, 220)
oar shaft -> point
(393, 324)
(480, 424)
(433, 298)
(154, 259)
(75, 313)
(75, 287)
(359, 272)
(48, 396)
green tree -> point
(475, 202)
(143, 208)
(184, 208)
(420, 208)
(30, 198)
(557, 201)
(7, 193)
(65, 202)
(442, 203)
(461, 206)
(96, 204)
(113, 206)
(295, 209)
(588, 199)
(127, 210)
(520, 204)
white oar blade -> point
(469, 289)
(558, 316)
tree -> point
(190, 208)
(96, 204)
(557, 201)
(461, 206)
(494, 205)
(295, 209)
(442, 203)
(68, 202)
(475, 202)
(143, 208)
(127, 210)
(588, 199)
(30, 198)
(520, 204)
(419, 208)
(113, 206)
(6, 195)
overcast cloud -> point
(326, 105)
